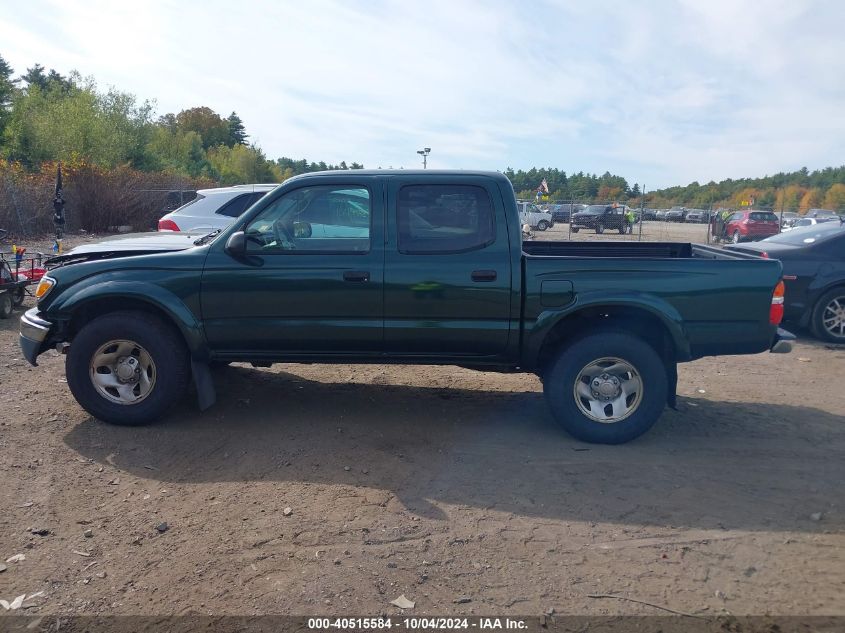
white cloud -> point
(666, 92)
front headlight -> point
(44, 286)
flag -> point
(59, 205)
(59, 181)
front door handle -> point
(483, 275)
(356, 275)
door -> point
(312, 278)
(447, 269)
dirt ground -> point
(449, 486)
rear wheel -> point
(18, 296)
(127, 368)
(828, 321)
(608, 388)
(5, 305)
(575, 229)
(542, 225)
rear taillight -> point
(764, 255)
(167, 225)
(776, 311)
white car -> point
(802, 222)
(534, 216)
(214, 208)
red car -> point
(744, 226)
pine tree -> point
(237, 132)
(7, 89)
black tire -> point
(160, 340)
(5, 305)
(560, 385)
(820, 312)
(542, 225)
(621, 229)
(575, 229)
(736, 238)
(599, 228)
(18, 295)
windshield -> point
(596, 208)
(809, 234)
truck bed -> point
(635, 250)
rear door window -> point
(444, 219)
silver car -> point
(214, 208)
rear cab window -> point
(440, 219)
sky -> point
(660, 92)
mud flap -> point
(672, 392)
(206, 396)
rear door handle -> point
(356, 275)
(483, 275)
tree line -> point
(46, 117)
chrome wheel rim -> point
(736, 238)
(833, 317)
(122, 372)
(608, 390)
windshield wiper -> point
(207, 238)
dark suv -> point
(600, 217)
(563, 212)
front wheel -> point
(828, 322)
(542, 225)
(127, 368)
(599, 228)
(575, 229)
(736, 238)
(607, 388)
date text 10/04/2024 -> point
(481, 623)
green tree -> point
(106, 129)
(237, 131)
(212, 128)
(35, 76)
(241, 164)
(178, 152)
(7, 91)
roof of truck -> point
(406, 172)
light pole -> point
(424, 153)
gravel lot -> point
(449, 486)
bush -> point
(97, 199)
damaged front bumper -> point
(34, 332)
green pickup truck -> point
(425, 267)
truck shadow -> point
(709, 465)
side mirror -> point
(302, 229)
(236, 244)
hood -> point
(127, 245)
